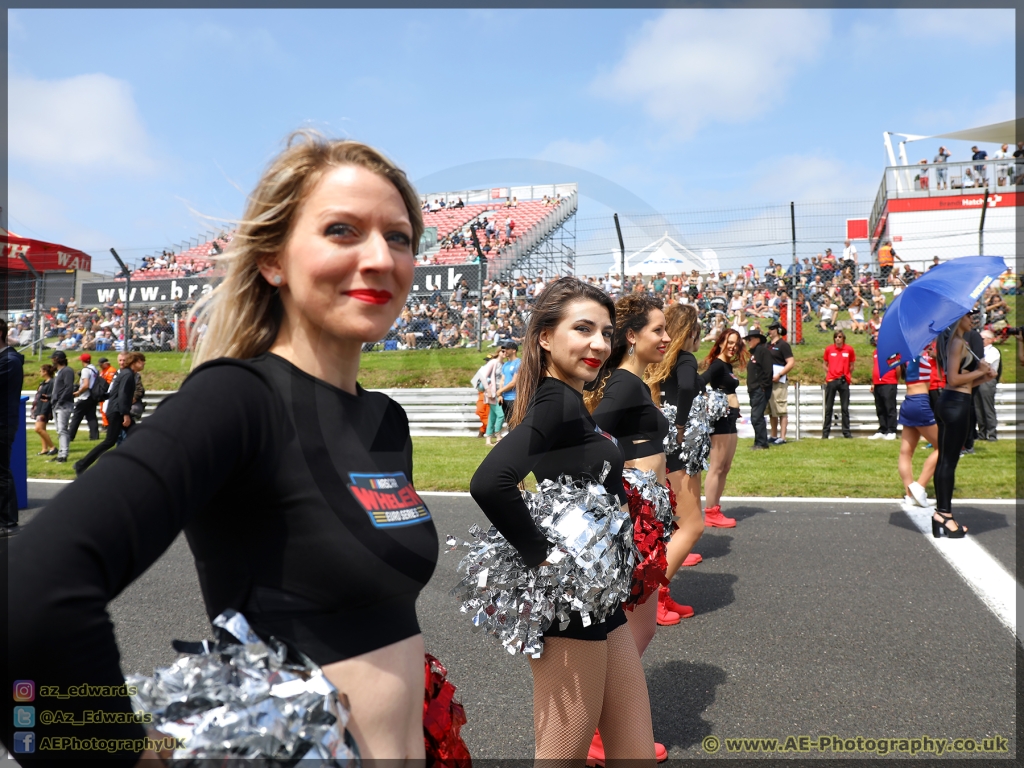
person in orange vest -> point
(885, 261)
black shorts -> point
(673, 463)
(595, 632)
(727, 425)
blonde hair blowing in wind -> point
(243, 314)
(680, 324)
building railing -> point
(969, 177)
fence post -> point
(796, 408)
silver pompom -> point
(695, 447)
(718, 405)
(672, 438)
(245, 701)
(589, 571)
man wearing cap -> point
(85, 400)
(985, 393)
(838, 360)
(62, 403)
(759, 384)
(782, 363)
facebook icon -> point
(24, 742)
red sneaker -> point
(666, 617)
(713, 518)
(665, 599)
(692, 559)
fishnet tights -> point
(580, 685)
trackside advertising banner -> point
(165, 291)
(426, 281)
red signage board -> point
(45, 257)
(956, 202)
(856, 229)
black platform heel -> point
(940, 529)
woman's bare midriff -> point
(920, 388)
(733, 400)
(385, 693)
(655, 463)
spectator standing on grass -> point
(885, 261)
(782, 363)
(41, 410)
(12, 378)
(838, 359)
(138, 406)
(985, 393)
(107, 373)
(119, 406)
(509, 377)
(759, 384)
(883, 387)
(62, 401)
(85, 400)
(849, 254)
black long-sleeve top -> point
(12, 378)
(759, 368)
(682, 385)
(557, 436)
(121, 392)
(628, 413)
(296, 500)
(63, 388)
(719, 376)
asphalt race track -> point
(812, 619)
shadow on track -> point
(713, 545)
(680, 694)
(706, 592)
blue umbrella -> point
(931, 303)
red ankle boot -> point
(692, 559)
(666, 617)
(713, 518)
(665, 599)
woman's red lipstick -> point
(370, 296)
(593, 362)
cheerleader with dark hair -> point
(588, 675)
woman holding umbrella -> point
(954, 421)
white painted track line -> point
(983, 573)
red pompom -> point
(649, 537)
(443, 717)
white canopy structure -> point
(997, 133)
(666, 255)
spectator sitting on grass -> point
(828, 317)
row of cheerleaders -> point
(574, 575)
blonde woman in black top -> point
(587, 676)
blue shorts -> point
(916, 411)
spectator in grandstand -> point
(984, 394)
(41, 410)
(1004, 169)
(782, 363)
(940, 159)
(874, 325)
(934, 264)
(85, 400)
(459, 204)
(980, 170)
(838, 361)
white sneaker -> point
(877, 436)
(919, 494)
(890, 436)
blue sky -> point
(127, 127)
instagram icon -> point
(24, 690)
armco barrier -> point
(452, 412)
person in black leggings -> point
(954, 417)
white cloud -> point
(584, 155)
(693, 67)
(1001, 109)
(86, 122)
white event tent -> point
(669, 256)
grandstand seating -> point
(526, 216)
(198, 256)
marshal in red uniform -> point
(838, 358)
